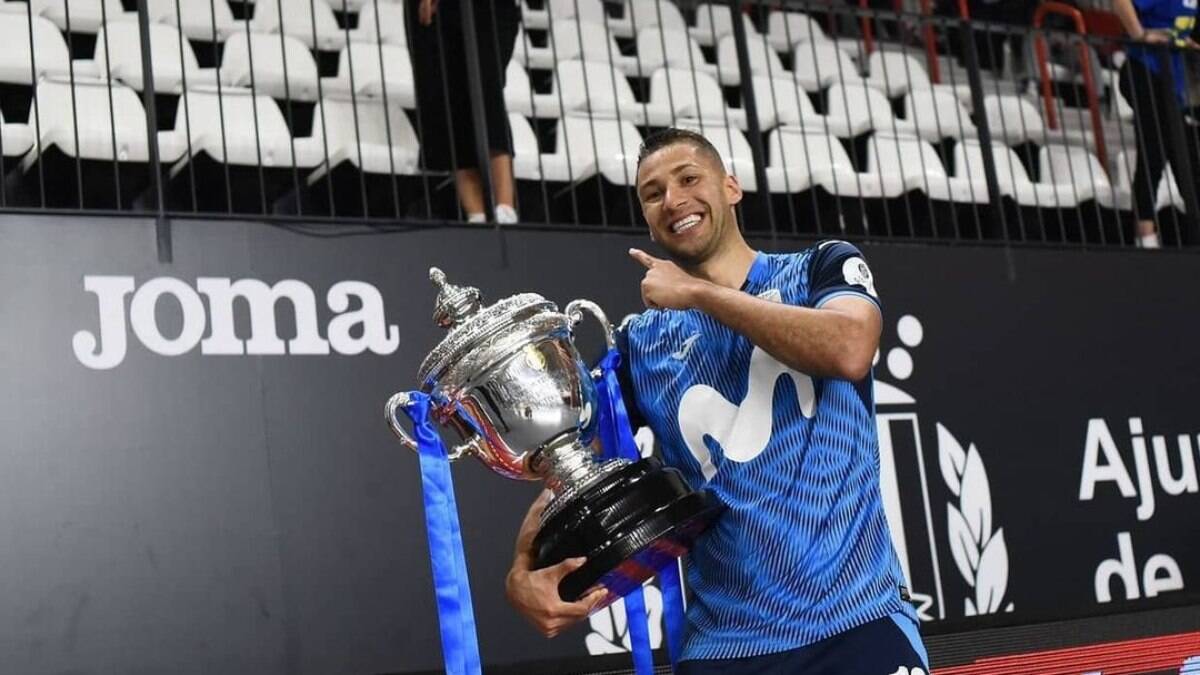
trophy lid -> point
(460, 308)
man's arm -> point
(837, 340)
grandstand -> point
(838, 119)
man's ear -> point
(733, 189)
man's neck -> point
(729, 266)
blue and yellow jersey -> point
(1177, 17)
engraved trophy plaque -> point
(508, 382)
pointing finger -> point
(647, 260)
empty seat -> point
(785, 29)
(1013, 119)
(895, 73)
(714, 22)
(363, 132)
(1078, 166)
(934, 114)
(239, 128)
(733, 147)
(93, 120)
(695, 95)
(590, 11)
(779, 101)
(520, 98)
(309, 21)
(573, 159)
(600, 89)
(381, 21)
(856, 108)
(801, 158)
(816, 65)
(642, 14)
(659, 47)
(920, 168)
(119, 53)
(1014, 180)
(211, 22)
(379, 70)
(79, 16)
(16, 64)
(17, 139)
(268, 75)
(761, 57)
(615, 144)
(570, 39)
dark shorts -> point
(880, 647)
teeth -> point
(684, 224)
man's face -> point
(687, 200)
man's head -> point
(686, 196)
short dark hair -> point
(670, 136)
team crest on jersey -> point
(977, 547)
(856, 273)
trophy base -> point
(628, 525)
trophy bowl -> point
(508, 382)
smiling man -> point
(754, 372)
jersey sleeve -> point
(837, 269)
(625, 378)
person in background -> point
(1153, 81)
(443, 97)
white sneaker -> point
(506, 215)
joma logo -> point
(350, 331)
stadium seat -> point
(785, 29)
(519, 96)
(920, 168)
(733, 148)
(1167, 194)
(570, 39)
(173, 58)
(309, 21)
(714, 21)
(270, 52)
(1014, 181)
(598, 88)
(1013, 119)
(895, 73)
(197, 20)
(17, 139)
(1078, 166)
(361, 132)
(856, 108)
(659, 47)
(762, 59)
(360, 65)
(16, 61)
(525, 149)
(696, 95)
(381, 21)
(816, 65)
(780, 101)
(616, 144)
(934, 114)
(804, 157)
(79, 16)
(588, 11)
(643, 14)
(573, 159)
(118, 135)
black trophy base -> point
(629, 525)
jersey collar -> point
(759, 272)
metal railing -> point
(840, 119)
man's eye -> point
(688, 180)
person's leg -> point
(1138, 85)
(469, 184)
(504, 188)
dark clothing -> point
(1155, 108)
(439, 65)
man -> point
(799, 574)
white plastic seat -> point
(1013, 119)
(714, 22)
(525, 149)
(1167, 193)
(172, 57)
(761, 56)
(696, 95)
(934, 114)
(1014, 181)
(210, 22)
(269, 53)
(800, 154)
(659, 47)
(856, 108)
(361, 131)
(818, 64)
(309, 21)
(59, 121)
(920, 168)
(733, 147)
(616, 144)
(785, 29)
(381, 21)
(780, 101)
(16, 138)
(519, 96)
(238, 128)
(600, 89)
(85, 16)
(896, 73)
(574, 157)
(590, 11)
(643, 14)
(569, 39)
(15, 63)
(359, 70)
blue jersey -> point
(1178, 17)
(803, 551)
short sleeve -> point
(838, 268)
(625, 378)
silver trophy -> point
(509, 383)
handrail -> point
(1085, 63)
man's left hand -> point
(665, 285)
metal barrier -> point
(840, 119)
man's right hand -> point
(534, 593)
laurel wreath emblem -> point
(979, 553)
(610, 629)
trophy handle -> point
(575, 310)
(392, 415)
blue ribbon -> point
(616, 437)
(456, 614)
